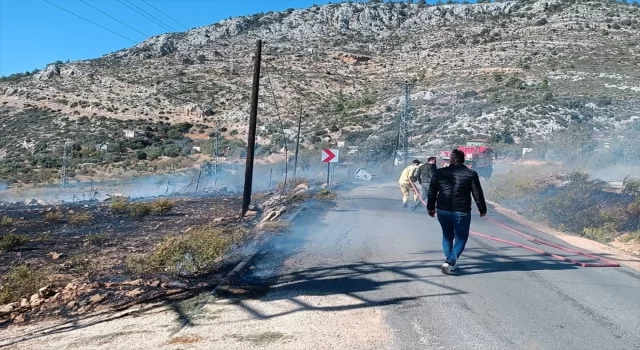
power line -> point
(171, 18)
(296, 88)
(115, 19)
(142, 12)
(92, 22)
(284, 135)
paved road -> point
(367, 254)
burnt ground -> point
(85, 263)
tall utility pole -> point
(402, 151)
(295, 162)
(251, 138)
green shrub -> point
(140, 210)
(193, 253)
(7, 221)
(21, 281)
(97, 239)
(53, 216)
(11, 240)
(80, 218)
(162, 206)
(119, 205)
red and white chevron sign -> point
(330, 155)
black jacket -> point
(425, 172)
(451, 189)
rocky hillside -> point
(520, 69)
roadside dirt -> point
(617, 251)
(84, 264)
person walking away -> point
(406, 178)
(449, 195)
(423, 175)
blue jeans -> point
(455, 224)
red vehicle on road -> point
(478, 156)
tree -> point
(421, 3)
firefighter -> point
(406, 178)
(423, 174)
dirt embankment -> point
(70, 260)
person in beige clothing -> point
(406, 178)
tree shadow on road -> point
(477, 261)
(361, 283)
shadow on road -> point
(366, 282)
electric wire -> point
(143, 15)
(284, 135)
(90, 21)
(171, 18)
(113, 18)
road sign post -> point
(329, 156)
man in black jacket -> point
(424, 174)
(450, 193)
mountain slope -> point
(518, 68)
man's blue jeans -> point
(455, 224)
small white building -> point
(133, 133)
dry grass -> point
(21, 281)
(191, 253)
(7, 221)
(53, 216)
(11, 240)
(80, 218)
(140, 210)
(119, 205)
(162, 206)
(631, 237)
(326, 195)
(275, 226)
(97, 239)
(296, 198)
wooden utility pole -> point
(251, 138)
(295, 162)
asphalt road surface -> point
(367, 254)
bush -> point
(21, 281)
(80, 218)
(162, 206)
(140, 210)
(7, 221)
(192, 253)
(97, 239)
(53, 216)
(119, 205)
(326, 195)
(602, 234)
(11, 240)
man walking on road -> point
(406, 178)
(450, 194)
(424, 174)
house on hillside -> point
(133, 133)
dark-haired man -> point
(424, 174)
(449, 195)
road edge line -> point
(620, 256)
